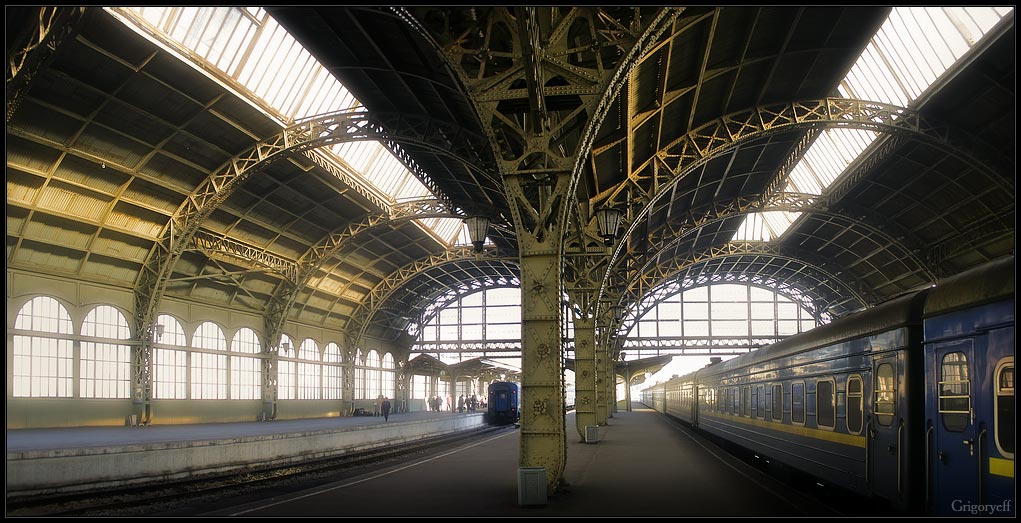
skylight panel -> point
(257, 53)
(913, 48)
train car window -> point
(884, 406)
(761, 401)
(955, 392)
(755, 402)
(777, 402)
(746, 402)
(1005, 407)
(854, 404)
(825, 406)
(798, 402)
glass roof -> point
(906, 56)
(258, 58)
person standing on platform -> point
(385, 409)
(460, 403)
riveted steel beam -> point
(36, 47)
(655, 178)
(320, 131)
(363, 314)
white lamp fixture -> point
(608, 219)
(477, 228)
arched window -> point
(359, 365)
(286, 378)
(209, 364)
(105, 367)
(245, 371)
(44, 359)
(170, 376)
(372, 375)
(332, 375)
(308, 370)
(388, 376)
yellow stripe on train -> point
(1001, 467)
(827, 435)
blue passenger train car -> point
(911, 401)
(503, 403)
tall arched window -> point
(359, 365)
(388, 376)
(170, 376)
(43, 360)
(372, 375)
(245, 371)
(286, 377)
(209, 369)
(332, 380)
(105, 367)
(308, 370)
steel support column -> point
(585, 395)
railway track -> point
(187, 497)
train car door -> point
(886, 428)
(950, 409)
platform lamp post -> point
(477, 228)
(608, 219)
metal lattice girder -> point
(325, 130)
(727, 208)
(656, 177)
(212, 244)
(313, 259)
(451, 295)
(660, 274)
(362, 315)
(343, 126)
(28, 56)
(680, 157)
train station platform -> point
(82, 459)
(644, 465)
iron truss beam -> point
(211, 244)
(343, 126)
(362, 316)
(656, 177)
(25, 58)
(646, 282)
(325, 130)
(313, 259)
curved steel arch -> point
(678, 284)
(314, 258)
(637, 288)
(909, 246)
(450, 297)
(338, 127)
(377, 296)
(699, 146)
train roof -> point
(895, 313)
(991, 282)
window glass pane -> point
(955, 392)
(1005, 408)
(798, 402)
(854, 405)
(777, 401)
(825, 409)
(885, 394)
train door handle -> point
(941, 457)
(971, 447)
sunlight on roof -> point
(259, 59)
(906, 56)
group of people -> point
(383, 407)
(470, 404)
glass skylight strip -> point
(251, 48)
(912, 49)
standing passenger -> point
(385, 409)
(460, 403)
